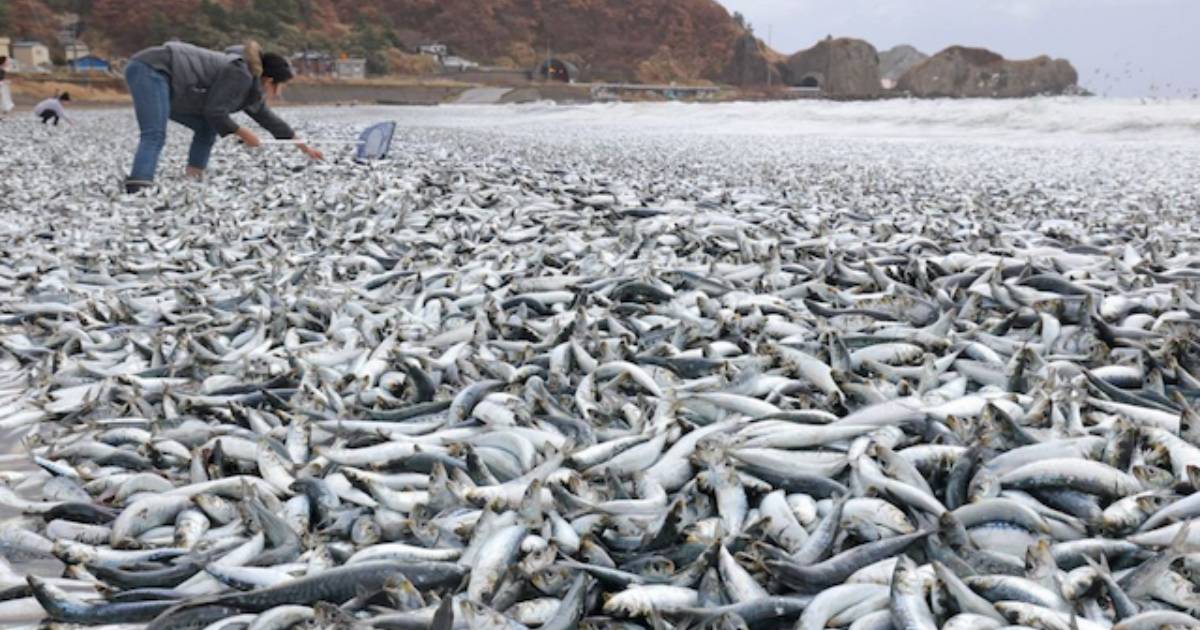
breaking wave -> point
(1118, 119)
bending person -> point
(52, 109)
(200, 89)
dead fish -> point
(521, 378)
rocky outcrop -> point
(899, 60)
(960, 72)
(751, 64)
(648, 41)
(842, 68)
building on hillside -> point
(555, 69)
(311, 63)
(89, 63)
(75, 50)
(434, 50)
(4, 47)
(458, 64)
(350, 68)
(31, 54)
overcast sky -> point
(1120, 47)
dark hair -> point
(66, 96)
(3, 59)
(276, 68)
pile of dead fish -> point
(472, 391)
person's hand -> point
(248, 138)
(311, 152)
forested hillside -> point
(647, 40)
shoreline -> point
(109, 91)
(1041, 120)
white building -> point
(452, 62)
(4, 49)
(31, 54)
(436, 50)
(354, 68)
(76, 50)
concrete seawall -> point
(329, 93)
(110, 90)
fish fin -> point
(1100, 565)
(929, 376)
(443, 618)
(656, 620)
(161, 621)
(1179, 543)
(1193, 475)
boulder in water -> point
(961, 72)
(842, 68)
(895, 62)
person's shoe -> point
(135, 186)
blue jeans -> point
(151, 92)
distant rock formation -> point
(895, 62)
(750, 64)
(843, 67)
(646, 41)
(960, 72)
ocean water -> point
(1083, 119)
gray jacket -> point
(215, 85)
